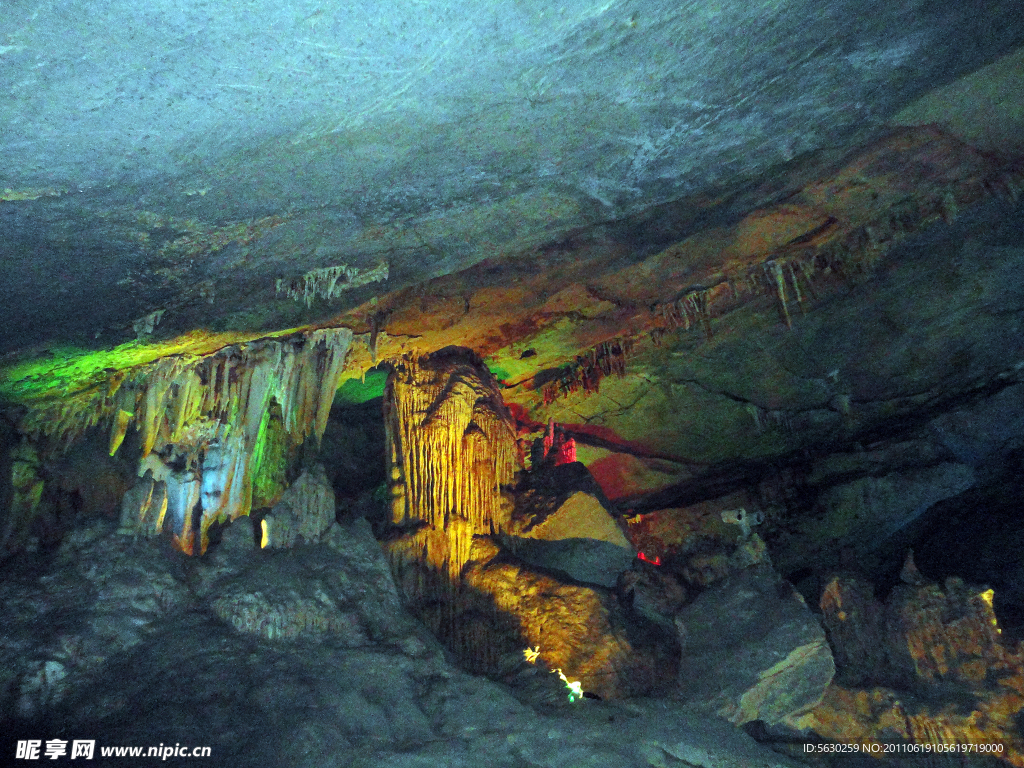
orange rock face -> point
(927, 667)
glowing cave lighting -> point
(575, 686)
(656, 560)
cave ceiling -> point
(540, 183)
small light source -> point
(531, 654)
(265, 538)
(575, 687)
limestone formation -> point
(303, 514)
(215, 430)
(562, 522)
(580, 629)
(26, 490)
(330, 282)
(451, 453)
(903, 660)
(752, 650)
(144, 507)
(922, 636)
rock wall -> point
(927, 665)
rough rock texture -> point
(144, 507)
(921, 636)
(451, 454)
(678, 532)
(101, 595)
(338, 592)
(585, 560)
(752, 650)
(867, 513)
(839, 343)
(581, 515)
(119, 640)
(928, 666)
(562, 522)
(9, 438)
(508, 607)
(304, 513)
(214, 431)
(546, 488)
(195, 157)
(23, 491)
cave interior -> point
(613, 384)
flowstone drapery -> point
(215, 431)
(451, 450)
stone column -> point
(451, 451)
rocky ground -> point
(301, 656)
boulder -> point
(304, 513)
(584, 631)
(340, 591)
(563, 523)
(752, 650)
(581, 515)
(588, 561)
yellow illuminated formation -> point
(987, 597)
(451, 448)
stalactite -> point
(330, 282)
(774, 271)
(376, 321)
(689, 310)
(144, 325)
(451, 449)
(122, 420)
(207, 414)
(587, 370)
(1007, 184)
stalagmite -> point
(144, 507)
(304, 513)
(451, 449)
